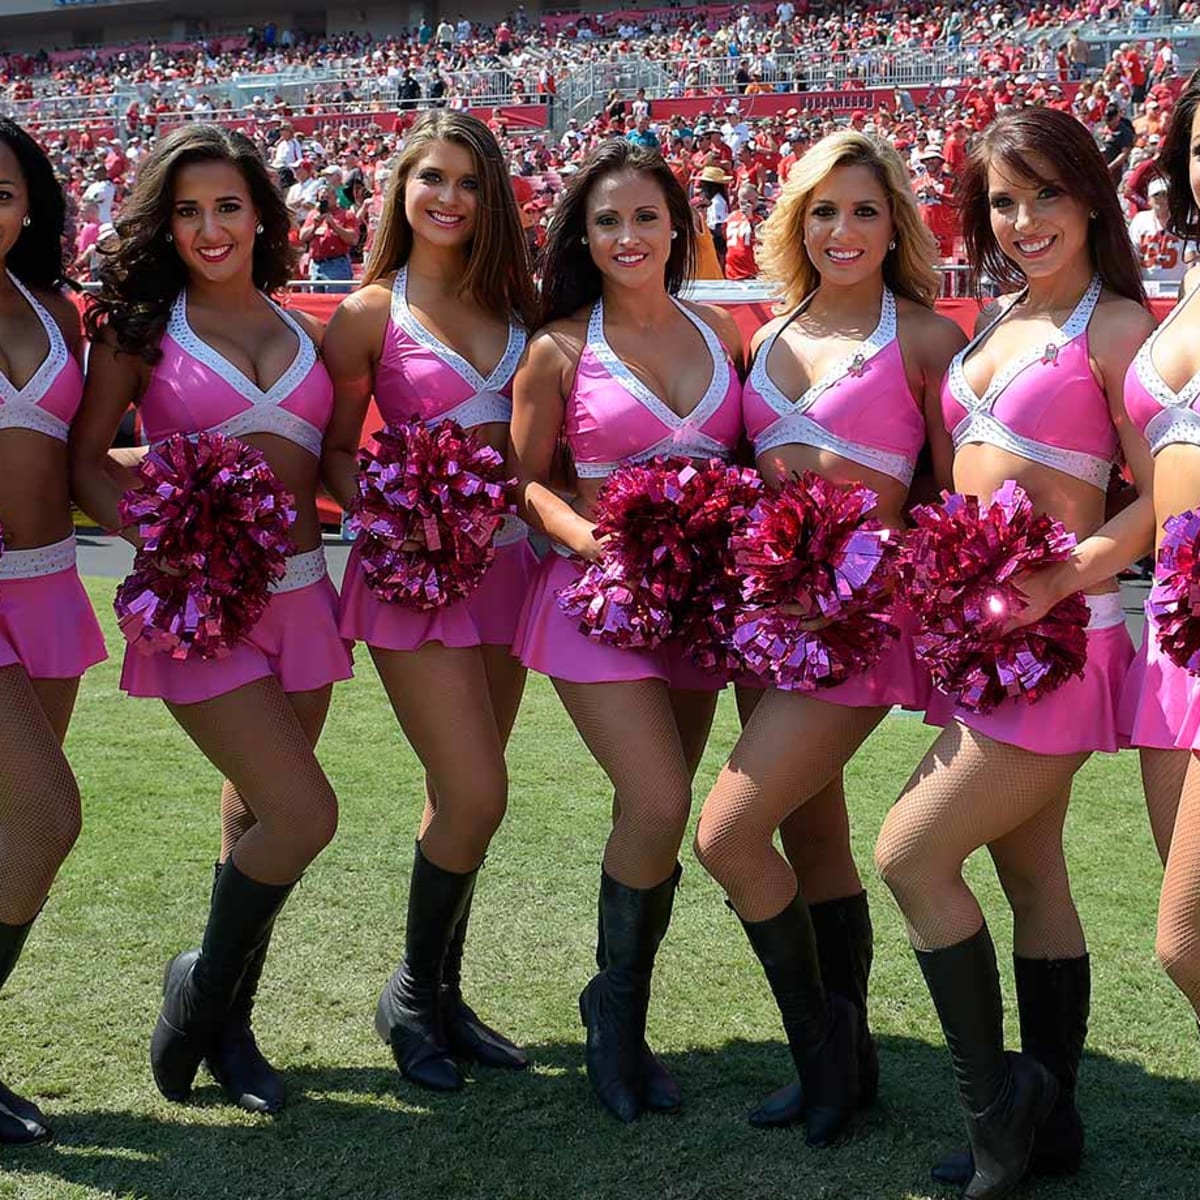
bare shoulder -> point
(560, 342)
(1191, 281)
(1118, 324)
(64, 312)
(311, 325)
(993, 310)
(363, 314)
(933, 336)
(719, 319)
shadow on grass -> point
(362, 1132)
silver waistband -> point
(1106, 611)
(42, 560)
(511, 531)
(302, 570)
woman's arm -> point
(940, 340)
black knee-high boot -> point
(613, 1005)
(660, 1092)
(469, 1037)
(235, 1061)
(821, 1027)
(1005, 1096)
(201, 986)
(845, 949)
(409, 1014)
(21, 1121)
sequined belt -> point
(511, 531)
(42, 560)
(302, 570)
(1105, 611)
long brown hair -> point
(1075, 164)
(141, 278)
(498, 275)
(1175, 163)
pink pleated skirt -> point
(296, 640)
(1077, 717)
(47, 625)
(487, 617)
(549, 642)
(1160, 704)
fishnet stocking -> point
(1172, 780)
(254, 738)
(39, 798)
(791, 748)
(633, 731)
(453, 704)
(970, 791)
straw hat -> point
(714, 174)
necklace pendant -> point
(1050, 354)
(858, 366)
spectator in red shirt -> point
(740, 236)
(933, 188)
(327, 234)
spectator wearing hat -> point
(1135, 186)
(934, 187)
(328, 233)
(1159, 251)
(713, 186)
(741, 235)
(1116, 141)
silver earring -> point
(169, 237)
(26, 221)
(892, 244)
(258, 228)
(674, 234)
(584, 240)
(1093, 214)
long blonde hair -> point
(907, 270)
(498, 275)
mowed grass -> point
(76, 1018)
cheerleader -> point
(1036, 398)
(435, 332)
(1161, 699)
(185, 327)
(841, 385)
(620, 372)
(48, 632)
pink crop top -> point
(418, 375)
(1044, 406)
(50, 399)
(193, 388)
(863, 410)
(1165, 417)
(612, 418)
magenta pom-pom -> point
(816, 578)
(1175, 598)
(429, 503)
(958, 568)
(216, 527)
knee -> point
(1178, 950)
(474, 815)
(315, 824)
(720, 846)
(59, 825)
(898, 861)
(657, 822)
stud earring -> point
(26, 221)
(892, 244)
(584, 240)
(674, 234)
(169, 237)
(1093, 214)
(258, 228)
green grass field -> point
(76, 1018)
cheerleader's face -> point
(628, 227)
(1194, 158)
(848, 225)
(213, 221)
(441, 195)
(14, 200)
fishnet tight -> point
(970, 791)
(39, 798)
(792, 748)
(648, 739)
(1172, 782)
(456, 706)
(255, 738)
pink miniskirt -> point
(1080, 716)
(47, 625)
(1160, 704)
(487, 617)
(296, 640)
(549, 642)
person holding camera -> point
(328, 233)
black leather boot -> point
(201, 985)
(845, 948)
(21, 1121)
(468, 1036)
(660, 1092)
(1005, 1096)
(235, 1061)
(409, 1014)
(1054, 1000)
(822, 1027)
(613, 1005)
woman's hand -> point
(1042, 590)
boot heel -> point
(382, 1026)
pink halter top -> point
(418, 375)
(1044, 406)
(612, 418)
(194, 389)
(863, 410)
(50, 399)
(1165, 417)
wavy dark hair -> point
(36, 257)
(569, 277)
(1075, 163)
(140, 279)
(1174, 160)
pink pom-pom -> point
(216, 529)
(629, 597)
(811, 546)
(1175, 598)
(428, 506)
(958, 566)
